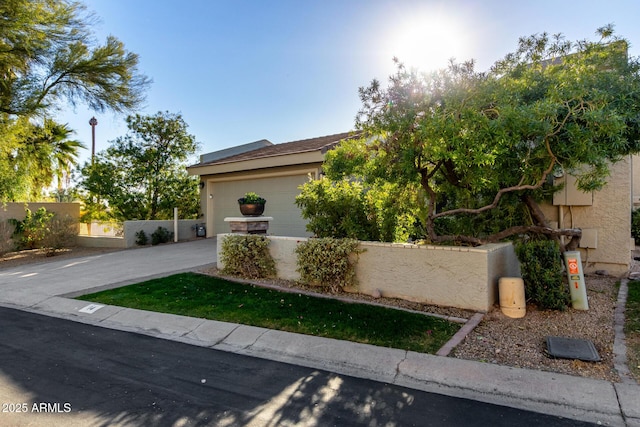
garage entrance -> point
(280, 193)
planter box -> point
(448, 276)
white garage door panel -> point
(280, 193)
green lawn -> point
(202, 296)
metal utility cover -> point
(572, 348)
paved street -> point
(79, 374)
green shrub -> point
(635, 225)
(248, 256)
(141, 238)
(328, 262)
(541, 266)
(161, 235)
(349, 209)
(251, 198)
(31, 230)
(61, 233)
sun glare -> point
(429, 42)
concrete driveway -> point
(31, 284)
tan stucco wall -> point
(127, 237)
(186, 229)
(459, 277)
(610, 216)
(17, 210)
(635, 181)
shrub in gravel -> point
(541, 266)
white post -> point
(175, 225)
(577, 286)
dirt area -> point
(498, 339)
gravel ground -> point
(498, 339)
(521, 342)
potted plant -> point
(251, 204)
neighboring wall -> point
(186, 229)
(17, 210)
(635, 182)
(606, 224)
(125, 235)
(460, 277)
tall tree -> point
(483, 145)
(47, 54)
(142, 175)
(34, 154)
(47, 152)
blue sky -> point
(239, 70)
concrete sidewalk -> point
(46, 289)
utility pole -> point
(93, 122)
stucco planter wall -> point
(441, 275)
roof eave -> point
(279, 160)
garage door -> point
(280, 193)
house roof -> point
(321, 144)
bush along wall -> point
(248, 256)
(328, 262)
(541, 266)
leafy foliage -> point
(142, 175)
(248, 256)
(32, 155)
(484, 143)
(328, 262)
(541, 265)
(336, 209)
(49, 54)
(141, 238)
(31, 231)
(251, 198)
(44, 230)
(161, 235)
(348, 209)
(61, 233)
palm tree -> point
(47, 152)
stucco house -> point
(275, 171)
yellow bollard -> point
(512, 301)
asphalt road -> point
(56, 372)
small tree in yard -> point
(142, 175)
(482, 146)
